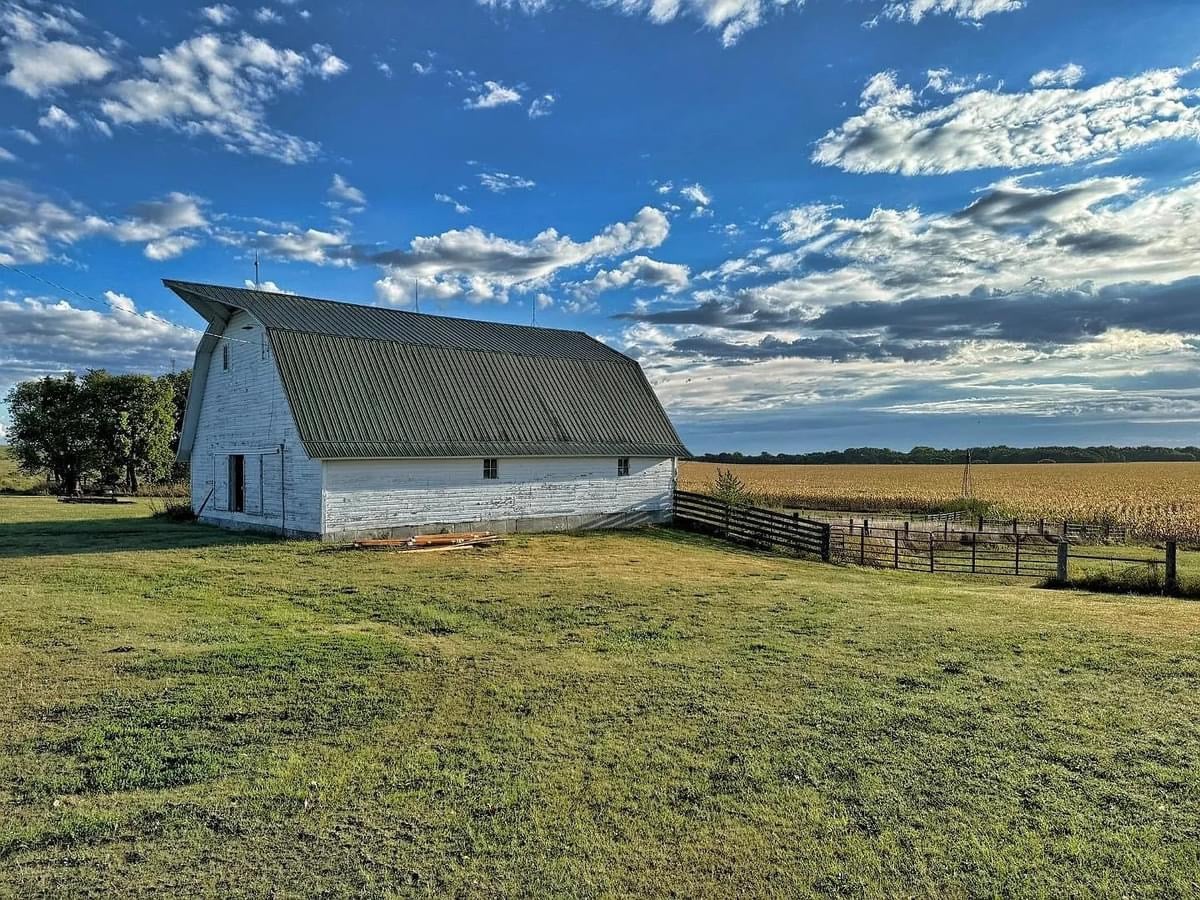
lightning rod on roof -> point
(256, 282)
(417, 294)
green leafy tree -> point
(53, 429)
(134, 418)
(728, 487)
(181, 383)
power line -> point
(110, 308)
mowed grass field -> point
(188, 711)
(1157, 500)
(11, 478)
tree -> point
(52, 429)
(181, 383)
(134, 418)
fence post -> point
(1172, 583)
(945, 528)
(931, 551)
(896, 551)
(796, 524)
(980, 528)
(862, 545)
(1064, 552)
(906, 527)
(826, 552)
(1018, 556)
(974, 544)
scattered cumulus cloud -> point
(1068, 76)
(342, 194)
(502, 182)
(211, 85)
(57, 119)
(43, 50)
(967, 10)
(542, 106)
(460, 208)
(993, 128)
(35, 229)
(219, 14)
(491, 94)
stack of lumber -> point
(463, 540)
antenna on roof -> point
(417, 294)
(256, 282)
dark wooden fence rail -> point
(1004, 553)
(752, 525)
(970, 553)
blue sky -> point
(817, 224)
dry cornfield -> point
(1155, 500)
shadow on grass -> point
(115, 535)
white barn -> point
(316, 418)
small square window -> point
(225, 357)
(623, 466)
(491, 468)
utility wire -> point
(108, 307)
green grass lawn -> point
(187, 711)
(12, 480)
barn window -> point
(237, 483)
(491, 468)
(623, 466)
(225, 357)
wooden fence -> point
(752, 525)
(969, 553)
(1018, 554)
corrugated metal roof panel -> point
(367, 383)
(295, 313)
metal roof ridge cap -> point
(187, 285)
(617, 357)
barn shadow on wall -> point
(113, 535)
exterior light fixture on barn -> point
(339, 420)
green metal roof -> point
(365, 382)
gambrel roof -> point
(364, 382)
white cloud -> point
(460, 208)
(33, 228)
(482, 266)
(218, 87)
(39, 68)
(219, 14)
(384, 69)
(27, 136)
(970, 10)
(269, 286)
(267, 16)
(732, 18)
(542, 106)
(343, 193)
(490, 95)
(43, 336)
(696, 194)
(169, 247)
(57, 119)
(803, 223)
(638, 271)
(422, 68)
(989, 128)
(501, 182)
(1067, 76)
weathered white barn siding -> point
(365, 497)
(244, 411)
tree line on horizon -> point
(102, 430)
(988, 455)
